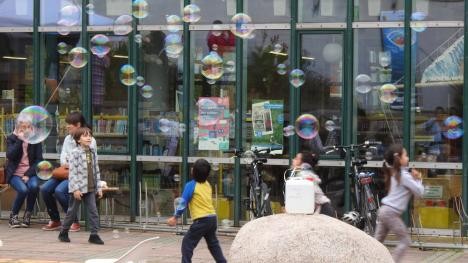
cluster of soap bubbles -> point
(306, 126)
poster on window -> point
(267, 125)
(213, 123)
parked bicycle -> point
(366, 203)
(258, 202)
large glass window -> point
(277, 11)
(110, 96)
(213, 92)
(16, 13)
(321, 93)
(115, 206)
(64, 13)
(378, 86)
(267, 96)
(451, 10)
(438, 92)
(160, 98)
(322, 11)
(379, 10)
(16, 78)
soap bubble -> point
(100, 45)
(211, 81)
(62, 48)
(35, 122)
(70, 15)
(277, 48)
(44, 170)
(417, 21)
(387, 93)
(363, 83)
(281, 69)
(191, 13)
(115, 233)
(369, 155)
(174, 23)
(296, 78)
(140, 9)
(78, 57)
(215, 167)
(90, 9)
(127, 75)
(179, 204)
(164, 125)
(140, 81)
(176, 178)
(182, 128)
(173, 45)
(63, 30)
(230, 66)
(288, 131)
(146, 91)
(307, 126)
(123, 25)
(243, 27)
(454, 126)
(137, 38)
(330, 125)
(332, 52)
(212, 66)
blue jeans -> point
(52, 191)
(23, 190)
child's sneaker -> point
(75, 227)
(53, 225)
(95, 239)
(63, 237)
(26, 219)
(14, 221)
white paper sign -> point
(231, 7)
(118, 7)
(279, 7)
(374, 7)
(326, 8)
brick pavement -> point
(35, 245)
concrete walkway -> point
(35, 245)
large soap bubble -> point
(123, 25)
(296, 78)
(454, 126)
(174, 23)
(307, 126)
(173, 45)
(388, 93)
(70, 15)
(78, 57)
(100, 45)
(146, 91)
(363, 83)
(191, 13)
(140, 9)
(128, 75)
(212, 66)
(44, 170)
(34, 123)
(242, 25)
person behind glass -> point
(84, 184)
(401, 184)
(305, 162)
(57, 190)
(221, 40)
(21, 171)
(197, 194)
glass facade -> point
(203, 90)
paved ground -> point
(35, 245)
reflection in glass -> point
(213, 105)
(160, 115)
(379, 10)
(321, 93)
(16, 13)
(109, 97)
(438, 95)
(322, 11)
(379, 86)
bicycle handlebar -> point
(366, 144)
(256, 151)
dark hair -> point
(392, 164)
(310, 158)
(76, 117)
(201, 170)
(81, 131)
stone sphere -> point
(305, 238)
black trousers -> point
(202, 227)
(327, 209)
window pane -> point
(322, 11)
(61, 12)
(438, 94)
(159, 9)
(440, 205)
(16, 78)
(438, 10)
(378, 86)
(160, 100)
(110, 97)
(276, 11)
(213, 106)
(211, 11)
(267, 91)
(379, 10)
(62, 84)
(321, 94)
(105, 12)
(16, 13)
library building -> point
(164, 83)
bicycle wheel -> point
(368, 214)
(265, 201)
(252, 202)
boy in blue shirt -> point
(197, 194)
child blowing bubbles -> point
(197, 193)
(401, 185)
(84, 183)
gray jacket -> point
(78, 175)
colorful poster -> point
(213, 123)
(267, 125)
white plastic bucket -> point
(299, 196)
